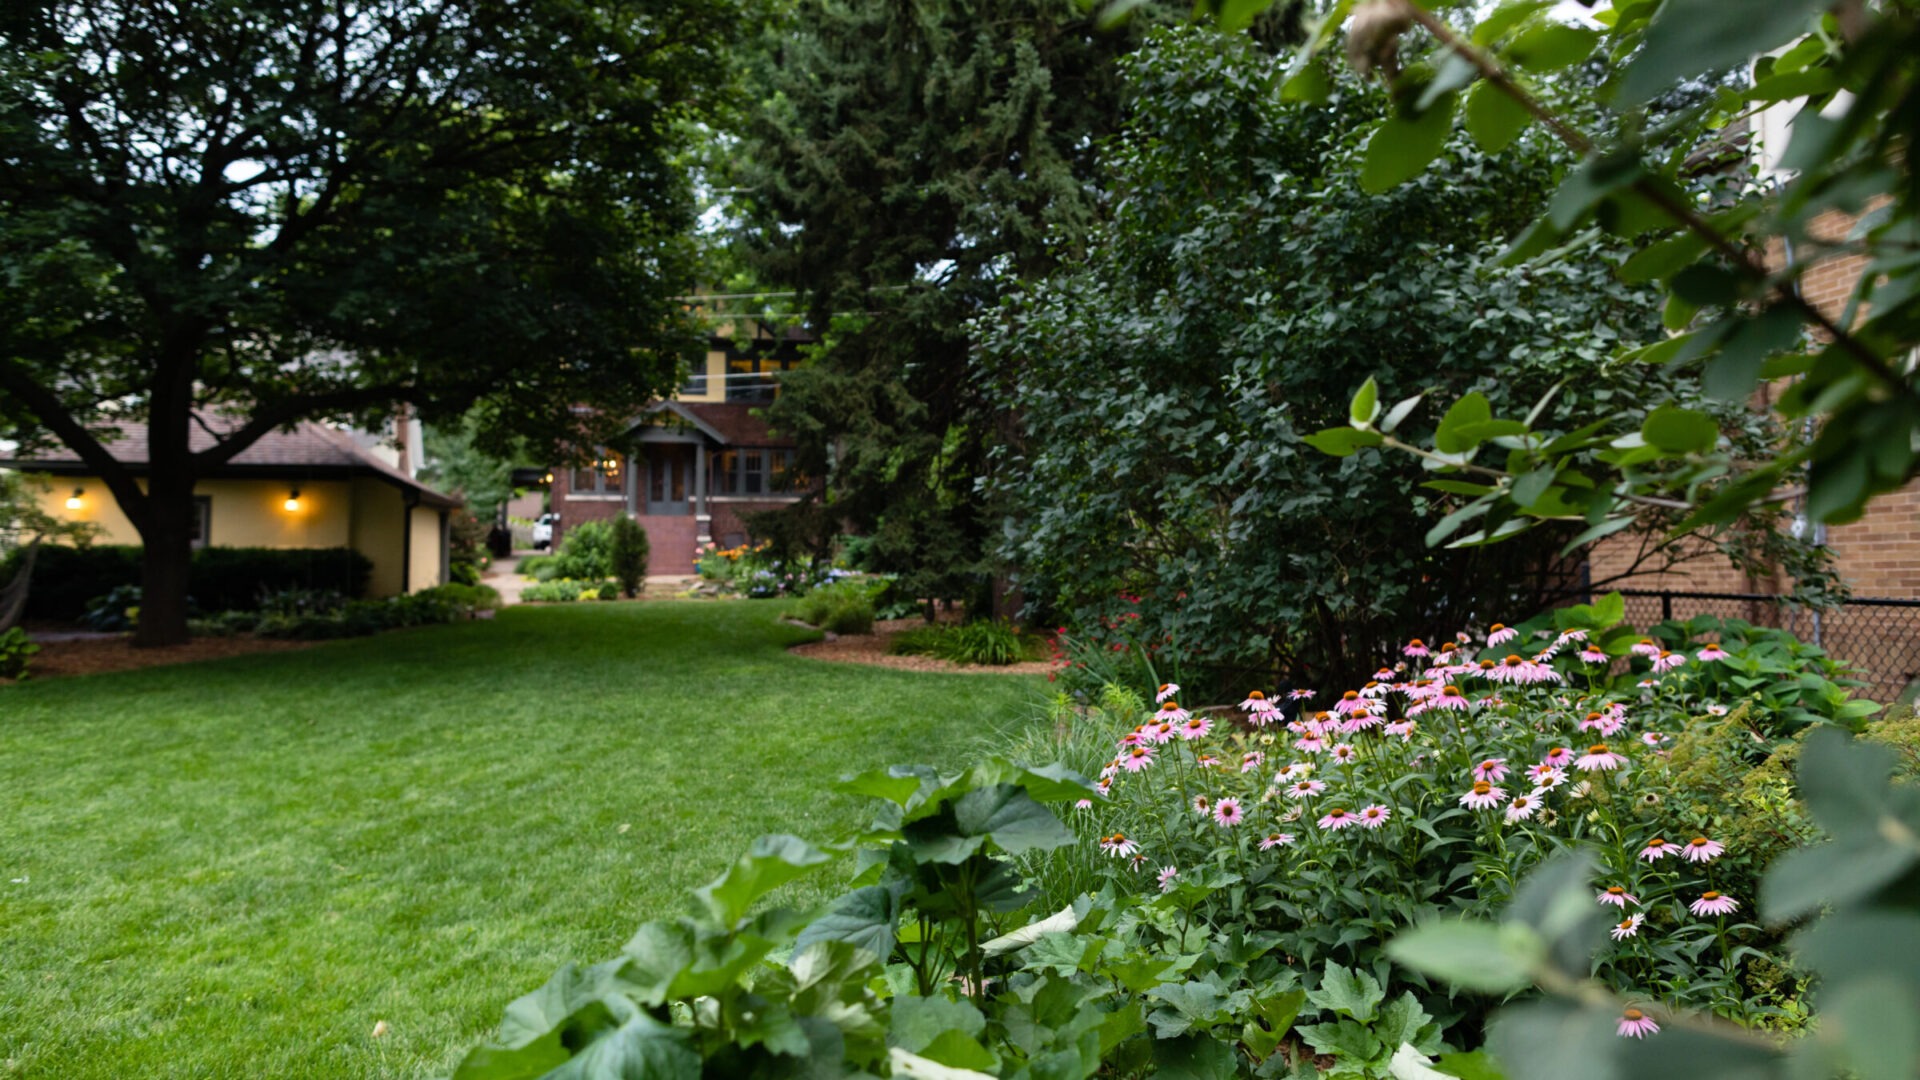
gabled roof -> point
(306, 451)
(728, 423)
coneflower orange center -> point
(1658, 842)
(1699, 841)
(1709, 896)
(1498, 626)
(1350, 695)
(1256, 695)
(1615, 890)
(1633, 1014)
(1481, 787)
(1451, 691)
(1627, 924)
(1138, 751)
(1597, 748)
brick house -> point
(690, 468)
(1877, 556)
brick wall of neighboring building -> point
(672, 543)
(729, 518)
(573, 509)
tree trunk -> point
(166, 560)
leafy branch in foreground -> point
(1731, 246)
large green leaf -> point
(917, 1021)
(1477, 956)
(1349, 991)
(864, 918)
(769, 863)
(1402, 147)
(896, 783)
(1341, 441)
(1011, 817)
(641, 1048)
(1689, 37)
(1550, 46)
(1472, 409)
(1682, 431)
(1494, 118)
(1839, 872)
(1194, 1057)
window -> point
(202, 520)
(696, 378)
(751, 470)
(605, 476)
(755, 378)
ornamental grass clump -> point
(1430, 791)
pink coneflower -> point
(1136, 861)
(1646, 647)
(1361, 721)
(1202, 804)
(1338, 819)
(1522, 807)
(1627, 927)
(1375, 816)
(1349, 702)
(1667, 661)
(1345, 754)
(1402, 728)
(1299, 695)
(1535, 670)
(1716, 710)
(1160, 734)
(1118, 845)
(1617, 896)
(1593, 654)
(1492, 770)
(1166, 692)
(1545, 776)
(1105, 785)
(1298, 768)
(1256, 702)
(1635, 1024)
(1226, 812)
(1274, 840)
(1646, 684)
(1387, 674)
(1083, 804)
(1570, 635)
(1701, 849)
(1598, 757)
(1484, 796)
(1606, 723)
(1377, 689)
(1165, 878)
(1713, 903)
(1416, 647)
(1252, 760)
(1557, 758)
(1500, 634)
(1711, 653)
(1310, 744)
(1195, 727)
(1207, 761)
(1305, 789)
(1136, 758)
(1658, 849)
(1449, 697)
(1172, 713)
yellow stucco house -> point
(308, 487)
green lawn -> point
(236, 869)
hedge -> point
(223, 578)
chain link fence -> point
(1877, 635)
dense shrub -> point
(116, 612)
(992, 642)
(16, 652)
(585, 552)
(845, 607)
(627, 555)
(358, 618)
(559, 591)
(66, 579)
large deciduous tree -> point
(257, 211)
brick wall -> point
(729, 518)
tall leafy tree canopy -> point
(909, 162)
(266, 210)
(1245, 285)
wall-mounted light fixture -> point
(73, 500)
(293, 501)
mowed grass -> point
(237, 869)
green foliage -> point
(116, 611)
(467, 554)
(456, 463)
(1730, 254)
(992, 642)
(223, 578)
(914, 207)
(561, 591)
(845, 607)
(324, 621)
(627, 551)
(16, 653)
(1165, 383)
(586, 551)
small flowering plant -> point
(1433, 791)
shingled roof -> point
(306, 451)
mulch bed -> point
(59, 659)
(871, 649)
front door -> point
(668, 483)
